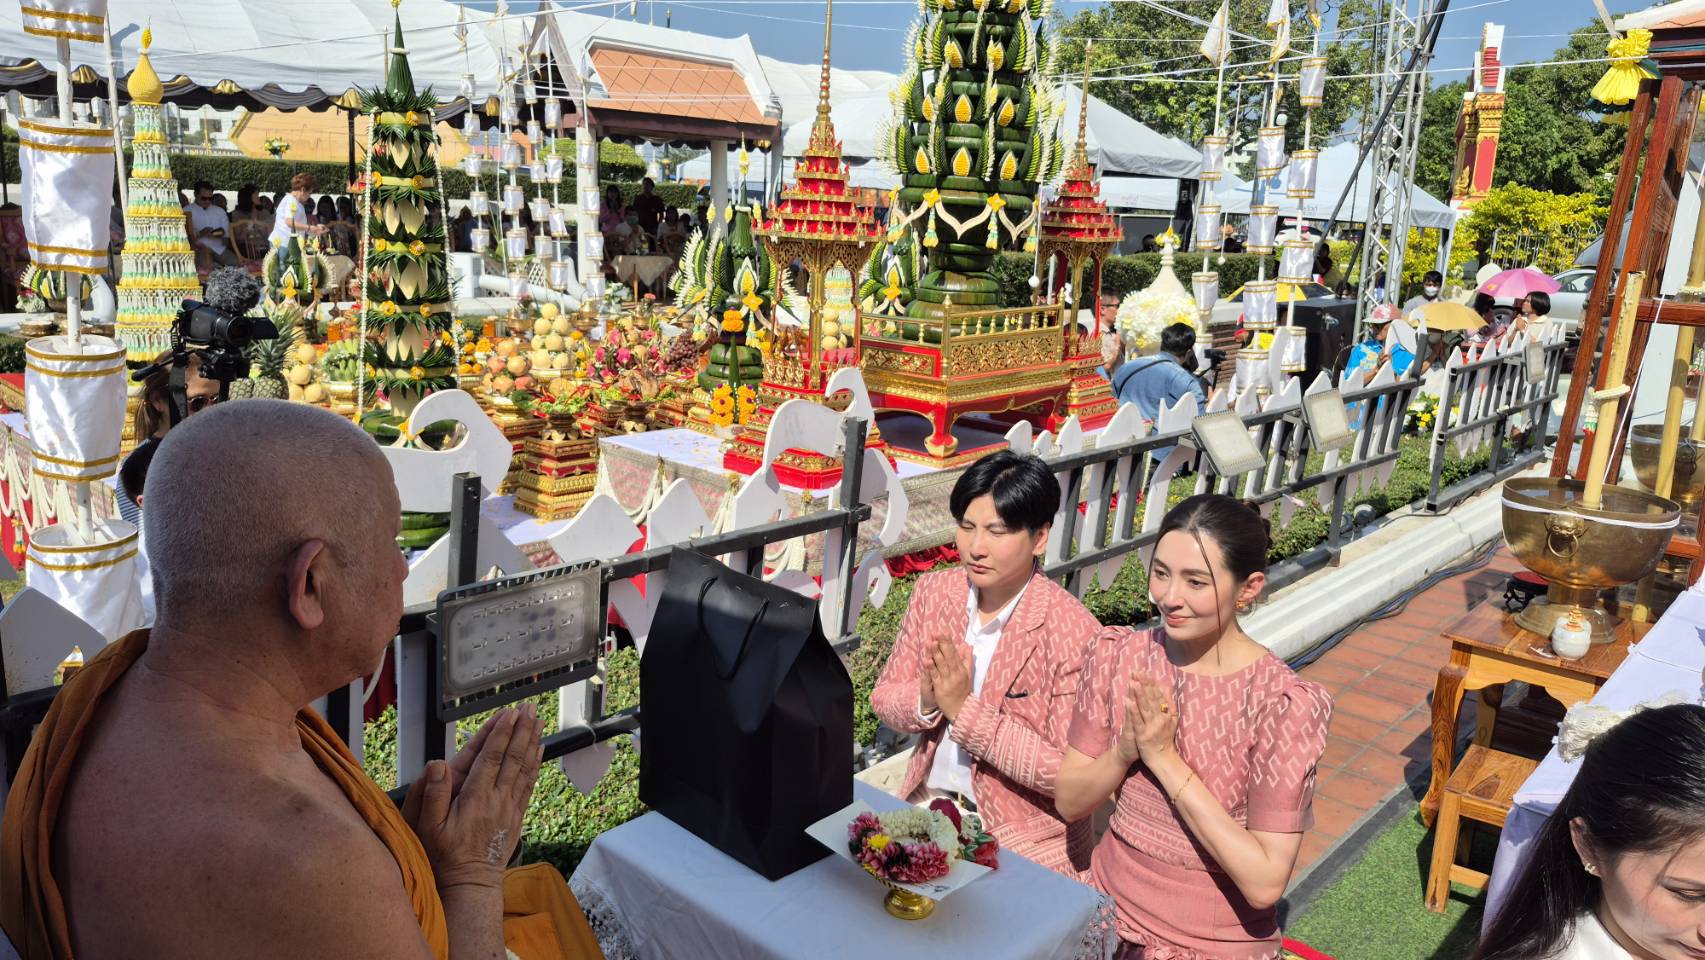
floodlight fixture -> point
(1225, 440)
(1533, 363)
(1328, 420)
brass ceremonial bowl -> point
(1688, 487)
(1582, 552)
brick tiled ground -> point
(1381, 680)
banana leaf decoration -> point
(1056, 160)
(1018, 58)
(962, 109)
(996, 54)
(1038, 154)
(937, 37)
(989, 149)
(1035, 9)
(952, 56)
(914, 49)
(1044, 52)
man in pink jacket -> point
(986, 667)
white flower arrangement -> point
(1143, 314)
(920, 822)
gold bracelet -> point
(1174, 798)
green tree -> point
(1436, 162)
(1134, 38)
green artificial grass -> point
(1374, 911)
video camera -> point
(215, 330)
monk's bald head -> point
(234, 490)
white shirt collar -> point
(1001, 616)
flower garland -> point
(918, 846)
(1143, 314)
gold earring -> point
(1591, 868)
(1243, 606)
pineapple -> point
(269, 357)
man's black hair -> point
(1178, 339)
(134, 470)
(201, 185)
(1433, 276)
(1025, 491)
(1540, 301)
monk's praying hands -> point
(467, 812)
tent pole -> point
(350, 116)
(112, 100)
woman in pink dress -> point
(1209, 743)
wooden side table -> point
(1488, 649)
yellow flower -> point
(378, 244)
(752, 301)
(733, 325)
(877, 841)
(412, 117)
(575, 335)
(388, 308)
(420, 182)
(417, 373)
(417, 248)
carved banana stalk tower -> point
(973, 137)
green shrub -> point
(1122, 274)
(11, 354)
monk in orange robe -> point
(180, 800)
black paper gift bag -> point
(746, 714)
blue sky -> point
(868, 33)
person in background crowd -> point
(1496, 321)
(325, 211)
(1112, 353)
(1431, 283)
(184, 761)
(1149, 244)
(985, 668)
(1209, 743)
(210, 230)
(223, 204)
(672, 234)
(346, 209)
(1618, 870)
(291, 219)
(1381, 344)
(263, 208)
(1531, 313)
(245, 208)
(462, 230)
(1157, 383)
(647, 208)
(612, 213)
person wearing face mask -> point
(1209, 743)
(1430, 285)
(985, 669)
(1618, 871)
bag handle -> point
(745, 641)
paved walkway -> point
(1381, 679)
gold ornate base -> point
(907, 905)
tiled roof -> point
(673, 86)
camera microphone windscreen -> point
(232, 291)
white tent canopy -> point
(795, 86)
(1140, 193)
(285, 52)
(1336, 164)
(1121, 144)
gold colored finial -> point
(144, 85)
(396, 3)
(1083, 106)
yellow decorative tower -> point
(159, 267)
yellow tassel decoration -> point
(1621, 81)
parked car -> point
(1570, 301)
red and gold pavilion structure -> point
(1079, 231)
(817, 222)
(1480, 123)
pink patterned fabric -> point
(1253, 737)
(1015, 729)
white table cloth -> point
(647, 270)
(1669, 660)
(653, 891)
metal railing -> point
(1486, 391)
